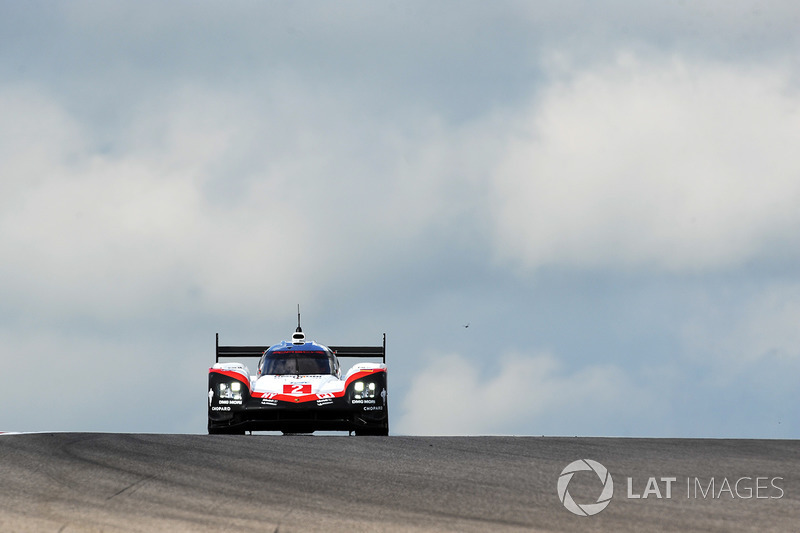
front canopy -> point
(297, 363)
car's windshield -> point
(295, 363)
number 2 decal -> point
(297, 388)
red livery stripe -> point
(231, 374)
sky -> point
(607, 193)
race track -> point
(67, 482)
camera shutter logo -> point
(585, 509)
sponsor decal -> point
(325, 395)
(220, 408)
(373, 408)
(363, 401)
(324, 401)
(267, 401)
(230, 402)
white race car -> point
(298, 388)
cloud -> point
(737, 333)
(221, 199)
(122, 234)
(669, 164)
(519, 395)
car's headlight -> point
(231, 391)
(364, 390)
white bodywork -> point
(320, 384)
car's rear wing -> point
(340, 351)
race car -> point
(298, 388)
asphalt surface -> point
(67, 482)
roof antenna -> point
(298, 337)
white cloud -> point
(86, 231)
(669, 164)
(522, 394)
(220, 200)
